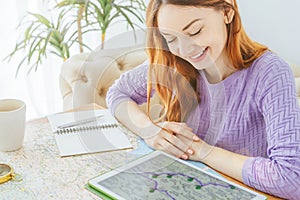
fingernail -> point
(195, 138)
(190, 151)
(184, 157)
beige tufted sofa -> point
(85, 78)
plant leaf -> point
(42, 19)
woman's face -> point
(196, 34)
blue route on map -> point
(200, 184)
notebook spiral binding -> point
(85, 128)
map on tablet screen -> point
(161, 176)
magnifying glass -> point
(7, 173)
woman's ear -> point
(229, 12)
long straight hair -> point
(174, 79)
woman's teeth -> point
(198, 55)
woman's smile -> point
(199, 56)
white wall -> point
(275, 23)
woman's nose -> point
(185, 46)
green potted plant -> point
(56, 36)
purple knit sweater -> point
(253, 112)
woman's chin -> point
(202, 65)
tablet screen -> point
(161, 176)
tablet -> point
(161, 176)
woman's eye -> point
(170, 40)
(193, 34)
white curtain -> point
(40, 89)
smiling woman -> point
(229, 101)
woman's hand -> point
(173, 138)
(202, 149)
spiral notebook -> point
(85, 132)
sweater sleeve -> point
(131, 86)
(279, 174)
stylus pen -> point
(83, 121)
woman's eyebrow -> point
(184, 28)
(189, 24)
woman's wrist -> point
(204, 152)
(148, 129)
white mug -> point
(12, 124)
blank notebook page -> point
(92, 141)
(102, 134)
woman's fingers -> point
(180, 144)
(174, 138)
(168, 143)
(181, 136)
(169, 148)
(181, 129)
